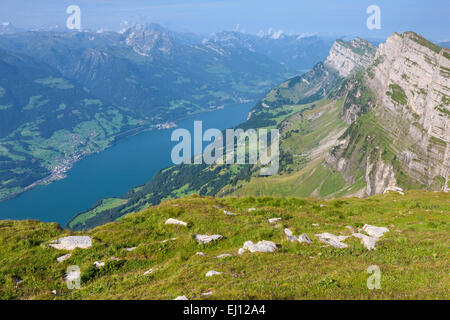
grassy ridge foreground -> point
(413, 256)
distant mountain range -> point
(364, 121)
(67, 94)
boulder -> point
(203, 239)
(273, 220)
(304, 238)
(149, 271)
(332, 240)
(225, 255)
(206, 294)
(72, 242)
(368, 242)
(99, 264)
(229, 213)
(290, 237)
(261, 246)
(64, 257)
(213, 273)
(176, 222)
(375, 231)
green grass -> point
(413, 256)
(105, 205)
(397, 94)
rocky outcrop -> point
(72, 242)
(379, 176)
(412, 83)
(403, 138)
(349, 57)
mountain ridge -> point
(331, 142)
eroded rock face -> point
(405, 94)
(379, 175)
(348, 57)
(72, 242)
(412, 84)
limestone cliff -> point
(349, 57)
(400, 132)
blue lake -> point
(112, 172)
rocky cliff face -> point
(344, 59)
(348, 57)
(404, 135)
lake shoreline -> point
(69, 163)
(17, 207)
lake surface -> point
(112, 172)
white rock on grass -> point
(181, 298)
(225, 255)
(71, 243)
(229, 213)
(332, 240)
(99, 264)
(64, 257)
(200, 254)
(290, 236)
(368, 242)
(273, 220)
(203, 239)
(251, 209)
(212, 273)
(175, 221)
(261, 246)
(302, 238)
(167, 240)
(130, 249)
(241, 251)
(149, 271)
(375, 231)
(206, 294)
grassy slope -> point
(300, 139)
(413, 256)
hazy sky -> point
(325, 17)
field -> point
(412, 256)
